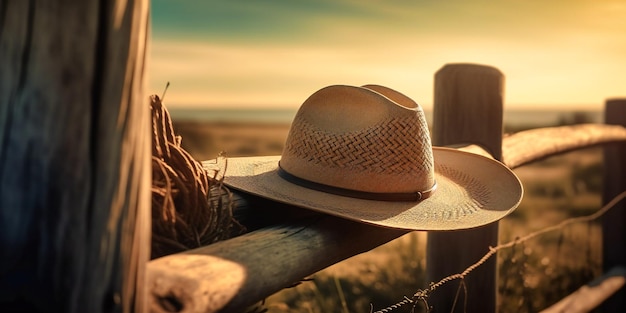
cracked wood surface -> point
(74, 155)
(231, 275)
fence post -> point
(614, 221)
(74, 156)
(468, 109)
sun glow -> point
(563, 54)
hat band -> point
(378, 196)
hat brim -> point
(472, 191)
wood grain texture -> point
(613, 223)
(231, 275)
(468, 106)
(533, 145)
(74, 155)
(536, 144)
(468, 109)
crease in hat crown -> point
(369, 139)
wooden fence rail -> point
(594, 294)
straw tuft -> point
(190, 208)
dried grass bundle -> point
(190, 208)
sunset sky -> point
(556, 54)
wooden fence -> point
(284, 251)
(74, 173)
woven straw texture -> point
(190, 206)
(393, 146)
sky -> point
(555, 54)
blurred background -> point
(558, 54)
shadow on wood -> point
(613, 223)
(74, 156)
(231, 275)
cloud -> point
(279, 76)
(225, 53)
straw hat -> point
(364, 154)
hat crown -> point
(370, 139)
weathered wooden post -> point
(74, 156)
(614, 221)
(467, 110)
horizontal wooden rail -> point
(290, 244)
(590, 296)
(535, 144)
(234, 274)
